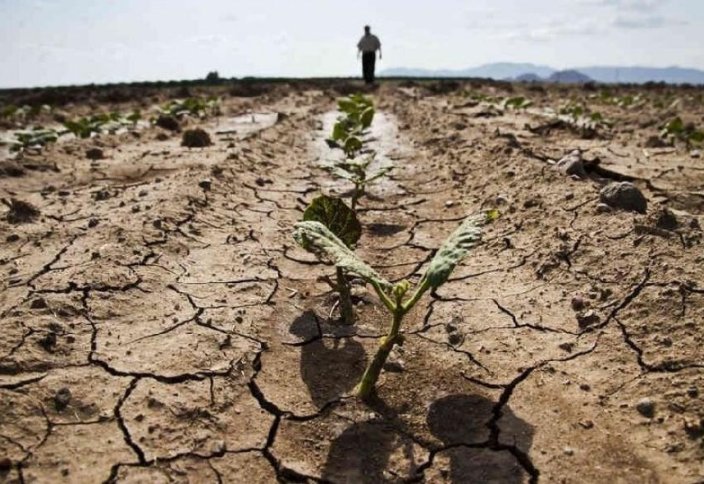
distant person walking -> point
(367, 47)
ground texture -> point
(159, 324)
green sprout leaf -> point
(318, 239)
(352, 145)
(366, 117)
(453, 250)
(336, 216)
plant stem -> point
(343, 289)
(366, 385)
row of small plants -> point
(330, 230)
(87, 126)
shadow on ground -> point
(330, 367)
(362, 453)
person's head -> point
(367, 29)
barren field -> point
(160, 324)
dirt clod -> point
(572, 164)
(95, 153)
(205, 184)
(20, 212)
(196, 138)
(587, 318)
(646, 407)
(625, 196)
(62, 399)
(167, 122)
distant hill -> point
(606, 74)
(568, 77)
(498, 70)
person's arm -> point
(378, 47)
(379, 51)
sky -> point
(61, 42)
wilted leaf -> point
(366, 117)
(318, 239)
(453, 250)
(336, 216)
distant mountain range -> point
(535, 72)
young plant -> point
(342, 221)
(348, 130)
(316, 238)
(677, 129)
(193, 106)
(36, 138)
(355, 170)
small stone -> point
(569, 196)
(168, 122)
(92, 223)
(62, 399)
(205, 184)
(588, 318)
(694, 427)
(577, 303)
(646, 407)
(624, 195)
(666, 219)
(394, 366)
(572, 164)
(39, 303)
(586, 424)
(567, 346)
(455, 338)
(501, 200)
(95, 154)
(585, 387)
(196, 138)
(450, 328)
(568, 451)
(602, 208)
(693, 391)
(12, 238)
(449, 203)
(695, 153)
(5, 464)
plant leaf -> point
(318, 239)
(453, 250)
(336, 216)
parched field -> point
(160, 324)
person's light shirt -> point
(369, 43)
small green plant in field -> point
(35, 138)
(397, 298)
(355, 170)
(342, 221)
(87, 126)
(358, 114)
(676, 129)
(193, 106)
(517, 102)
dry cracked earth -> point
(159, 324)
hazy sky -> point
(53, 42)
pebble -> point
(501, 200)
(94, 154)
(577, 303)
(603, 208)
(646, 407)
(62, 399)
(572, 165)
(449, 203)
(695, 153)
(587, 318)
(205, 184)
(624, 195)
(568, 451)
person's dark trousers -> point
(368, 61)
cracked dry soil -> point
(156, 328)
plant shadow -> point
(330, 367)
(380, 450)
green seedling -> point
(679, 130)
(319, 240)
(518, 102)
(342, 221)
(194, 106)
(348, 130)
(35, 138)
(355, 171)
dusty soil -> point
(159, 324)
